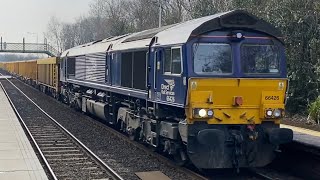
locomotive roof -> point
(92, 47)
(179, 33)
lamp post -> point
(158, 3)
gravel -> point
(123, 157)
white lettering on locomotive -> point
(167, 90)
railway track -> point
(62, 153)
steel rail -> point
(260, 174)
(264, 176)
(108, 168)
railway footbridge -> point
(24, 47)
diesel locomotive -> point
(210, 91)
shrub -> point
(314, 110)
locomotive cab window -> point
(172, 61)
(212, 58)
(260, 59)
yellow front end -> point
(236, 101)
(234, 123)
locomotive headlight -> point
(202, 113)
(239, 35)
(277, 113)
(269, 113)
(274, 113)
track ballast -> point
(65, 156)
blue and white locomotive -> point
(210, 90)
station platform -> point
(304, 136)
(17, 158)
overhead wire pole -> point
(160, 13)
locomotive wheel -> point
(117, 125)
(180, 158)
(54, 95)
(134, 135)
(57, 96)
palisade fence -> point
(28, 48)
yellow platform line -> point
(301, 130)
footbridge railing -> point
(23, 47)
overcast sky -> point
(29, 18)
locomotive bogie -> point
(228, 146)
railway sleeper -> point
(39, 130)
(83, 173)
(48, 136)
(90, 168)
(61, 151)
(64, 155)
(79, 164)
(73, 147)
(54, 141)
(57, 144)
(52, 138)
(67, 159)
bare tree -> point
(98, 18)
(86, 31)
(175, 11)
(141, 17)
(54, 33)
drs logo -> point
(274, 98)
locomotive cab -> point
(235, 99)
